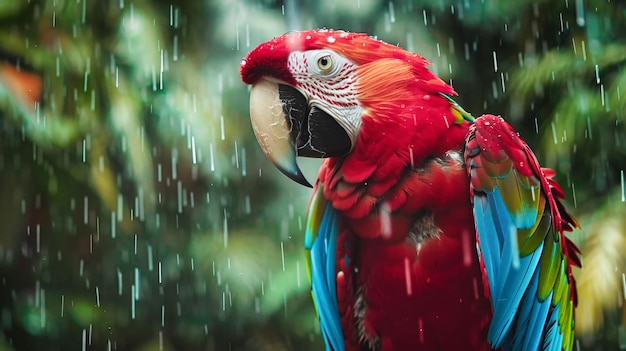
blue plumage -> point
(322, 254)
(554, 338)
(520, 321)
(531, 319)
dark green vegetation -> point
(138, 213)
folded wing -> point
(525, 256)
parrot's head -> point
(325, 93)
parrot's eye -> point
(322, 64)
(325, 63)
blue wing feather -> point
(531, 319)
(554, 338)
(321, 241)
(512, 199)
(509, 275)
(490, 248)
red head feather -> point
(400, 97)
(270, 58)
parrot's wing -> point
(525, 257)
(322, 229)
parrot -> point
(427, 228)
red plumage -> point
(446, 308)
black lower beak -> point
(314, 132)
(294, 130)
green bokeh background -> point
(138, 213)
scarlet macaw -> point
(428, 229)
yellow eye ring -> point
(325, 63)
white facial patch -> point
(328, 81)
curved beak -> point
(286, 127)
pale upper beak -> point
(285, 127)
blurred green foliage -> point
(138, 213)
